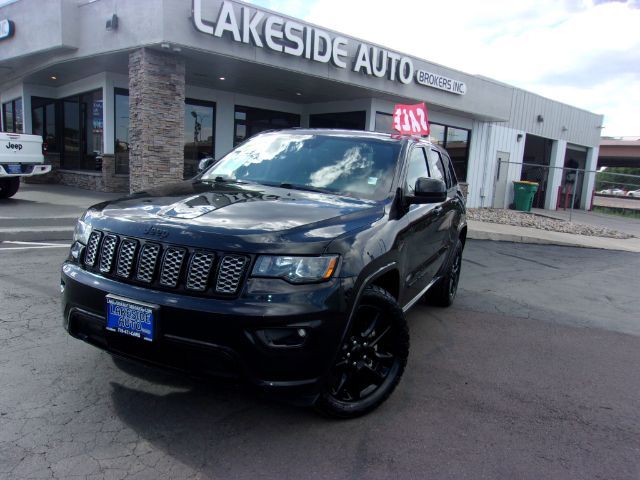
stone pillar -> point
(554, 178)
(156, 118)
(589, 177)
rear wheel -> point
(9, 186)
(444, 292)
(371, 360)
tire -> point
(444, 292)
(9, 186)
(371, 360)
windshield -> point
(341, 164)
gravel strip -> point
(531, 220)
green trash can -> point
(523, 193)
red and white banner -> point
(411, 119)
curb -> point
(515, 238)
(36, 234)
(28, 223)
(501, 233)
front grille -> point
(166, 267)
(230, 273)
(91, 253)
(171, 266)
(147, 262)
(126, 257)
(106, 253)
(199, 271)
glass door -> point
(199, 133)
(71, 147)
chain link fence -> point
(613, 188)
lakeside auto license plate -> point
(131, 318)
(13, 168)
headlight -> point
(82, 232)
(296, 269)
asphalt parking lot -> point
(532, 374)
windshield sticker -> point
(373, 180)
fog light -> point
(283, 337)
(76, 251)
(61, 286)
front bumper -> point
(220, 337)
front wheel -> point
(9, 186)
(371, 359)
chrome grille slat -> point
(107, 253)
(126, 257)
(230, 273)
(199, 271)
(147, 262)
(91, 253)
(171, 266)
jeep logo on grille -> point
(14, 146)
(157, 232)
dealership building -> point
(132, 94)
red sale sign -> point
(411, 119)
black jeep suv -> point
(290, 262)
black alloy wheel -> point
(444, 292)
(454, 274)
(371, 359)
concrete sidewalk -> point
(49, 212)
(509, 233)
(40, 212)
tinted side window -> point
(451, 171)
(437, 168)
(417, 168)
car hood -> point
(235, 217)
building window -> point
(12, 116)
(343, 120)
(384, 123)
(199, 134)
(457, 145)
(454, 140)
(250, 121)
(438, 134)
(44, 113)
(121, 130)
(82, 132)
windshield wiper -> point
(305, 188)
(224, 179)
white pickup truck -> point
(20, 156)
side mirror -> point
(205, 163)
(429, 190)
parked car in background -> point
(612, 191)
(20, 156)
(634, 193)
(291, 262)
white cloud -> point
(577, 52)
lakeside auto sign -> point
(263, 30)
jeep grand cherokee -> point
(290, 263)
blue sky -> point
(582, 52)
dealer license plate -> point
(13, 168)
(131, 318)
